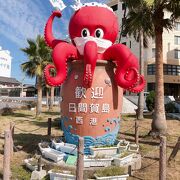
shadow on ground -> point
(55, 123)
(29, 142)
(20, 115)
(51, 113)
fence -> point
(9, 147)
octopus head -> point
(93, 23)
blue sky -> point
(22, 19)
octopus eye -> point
(99, 33)
(85, 32)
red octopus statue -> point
(93, 31)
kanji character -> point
(94, 108)
(80, 92)
(97, 92)
(72, 107)
(93, 121)
(82, 107)
(79, 120)
(105, 108)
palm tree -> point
(159, 125)
(159, 22)
(136, 24)
(38, 54)
(52, 89)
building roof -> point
(9, 80)
(28, 86)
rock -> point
(38, 175)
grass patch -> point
(124, 154)
(145, 148)
(66, 170)
(150, 2)
(46, 177)
(127, 117)
(20, 173)
(21, 115)
(39, 118)
(110, 171)
(50, 113)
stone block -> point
(38, 175)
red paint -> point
(92, 18)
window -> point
(178, 70)
(177, 40)
(115, 7)
(151, 69)
(171, 70)
(177, 53)
(177, 26)
(153, 52)
(123, 6)
(167, 68)
(151, 86)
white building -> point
(171, 53)
(5, 63)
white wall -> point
(5, 63)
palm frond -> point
(39, 55)
(139, 19)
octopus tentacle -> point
(90, 58)
(48, 34)
(126, 78)
(139, 86)
(87, 79)
(68, 51)
(126, 74)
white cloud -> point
(22, 19)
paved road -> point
(17, 102)
(14, 102)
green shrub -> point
(150, 101)
(6, 111)
(171, 108)
(31, 104)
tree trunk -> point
(159, 125)
(52, 98)
(39, 95)
(47, 97)
(141, 94)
